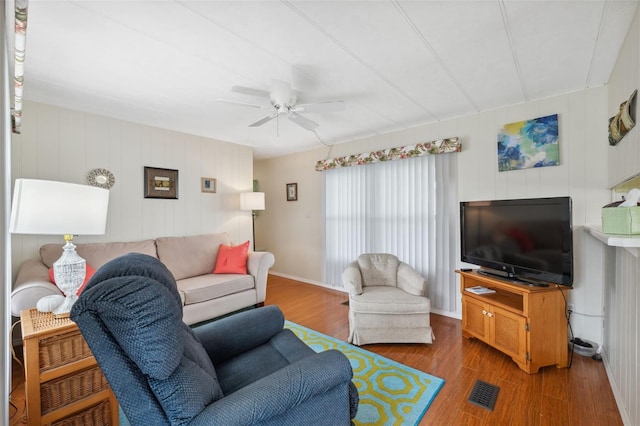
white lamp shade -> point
(252, 201)
(49, 207)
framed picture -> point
(160, 183)
(207, 185)
(530, 143)
(292, 192)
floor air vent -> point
(484, 395)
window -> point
(407, 208)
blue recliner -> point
(240, 370)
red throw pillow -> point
(89, 273)
(232, 259)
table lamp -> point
(252, 201)
(59, 208)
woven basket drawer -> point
(60, 350)
(98, 415)
(66, 390)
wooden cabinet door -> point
(474, 319)
(508, 333)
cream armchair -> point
(387, 302)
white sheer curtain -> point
(406, 207)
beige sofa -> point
(190, 259)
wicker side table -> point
(63, 382)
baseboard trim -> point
(454, 315)
(306, 281)
(616, 391)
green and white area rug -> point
(390, 393)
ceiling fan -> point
(282, 101)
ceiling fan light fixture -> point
(282, 99)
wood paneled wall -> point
(621, 294)
(622, 333)
(624, 158)
(61, 144)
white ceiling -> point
(396, 64)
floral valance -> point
(440, 146)
(20, 43)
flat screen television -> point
(527, 240)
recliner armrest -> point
(225, 338)
(274, 395)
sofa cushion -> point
(212, 286)
(191, 256)
(378, 269)
(232, 259)
(97, 254)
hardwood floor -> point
(579, 395)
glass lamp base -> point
(69, 272)
(64, 310)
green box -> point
(621, 220)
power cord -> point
(15, 385)
(573, 340)
(321, 141)
(567, 314)
(324, 143)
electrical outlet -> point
(571, 307)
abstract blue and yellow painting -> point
(529, 143)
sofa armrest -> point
(273, 396)
(258, 265)
(228, 337)
(32, 283)
(411, 280)
(352, 279)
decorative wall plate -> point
(101, 178)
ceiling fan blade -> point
(302, 121)
(251, 92)
(244, 104)
(264, 120)
(320, 107)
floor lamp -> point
(47, 207)
(252, 201)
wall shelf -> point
(630, 242)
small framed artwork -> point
(160, 183)
(208, 185)
(292, 192)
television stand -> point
(532, 282)
(527, 323)
(514, 278)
